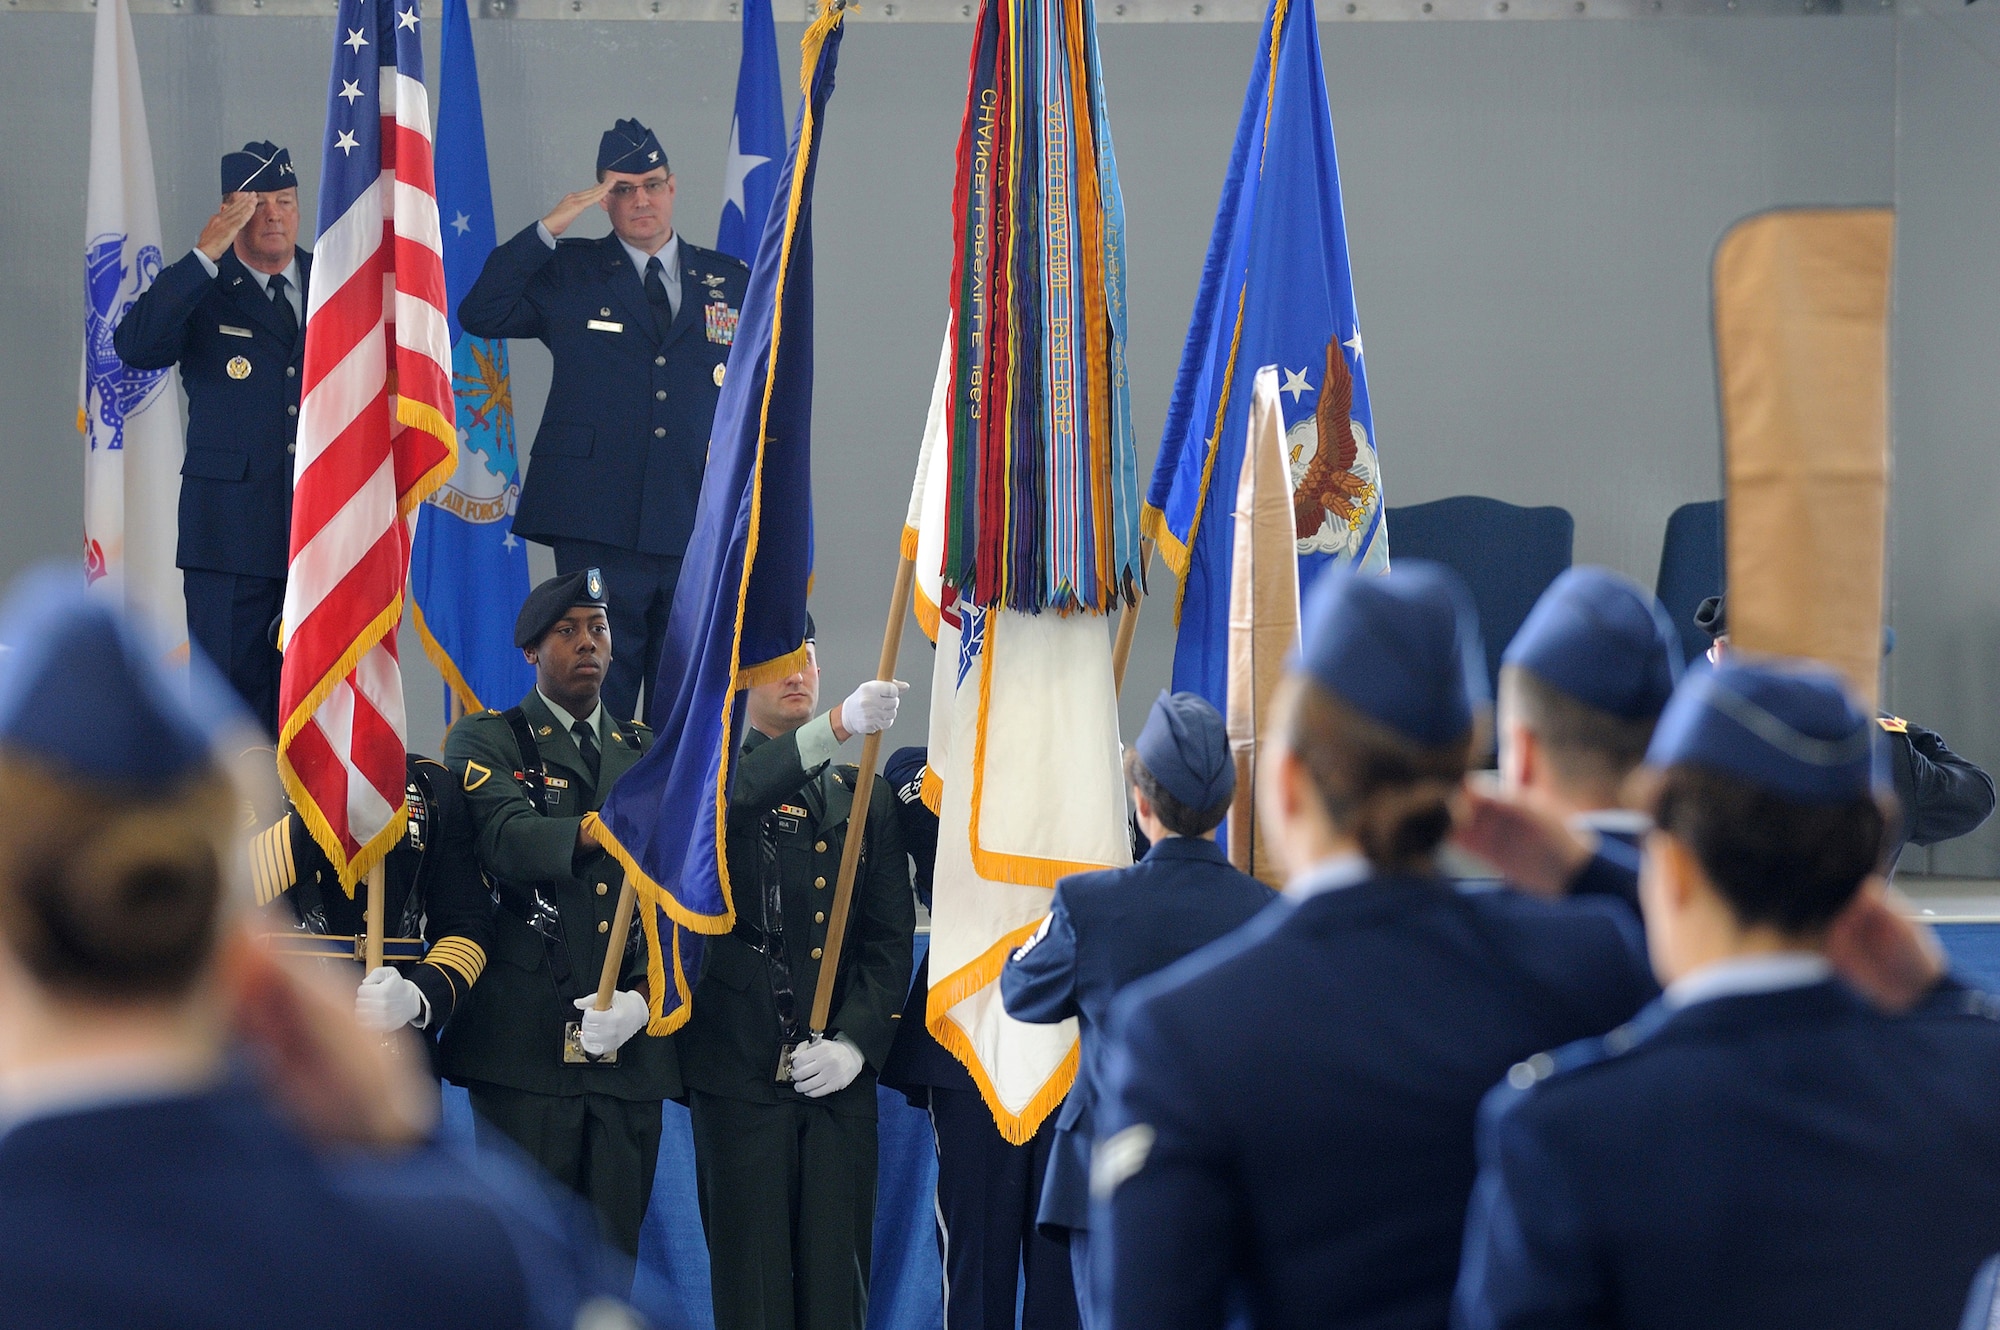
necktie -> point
(656, 288)
(275, 288)
(586, 743)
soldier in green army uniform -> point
(784, 1125)
(569, 1084)
(439, 916)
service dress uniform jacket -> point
(241, 367)
(593, 1125)
(510, 1030)
(1290, 1112)
(439, 913)
(623, 442)
(787, 1183)
(240, 361)
(1770, 1160)
(205, 1210)
(1104, 931)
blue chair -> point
(1691, 564)
(1507, 555)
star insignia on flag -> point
(346, 142)
(461, 223)
(1354, 343)
(349, 90)
(355, 41)
(1295, 383)
(407, 19)
(738, 169)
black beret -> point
(554, 598)
(1709, 616)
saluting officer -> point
(1760, 1147)
(1290, 1110)
(232, 315)
(1104, 930)
(580, 1094)
(1582, 685)
(784, 1126)
(640, 324)
(439, 915)
(1942, 795)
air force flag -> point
(756, 138)
(468, 572)
(1276, 290)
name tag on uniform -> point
(720, 321)
(227, 331)
(603, 325)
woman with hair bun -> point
(1289, 1133)
(178, 1115)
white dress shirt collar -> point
(1771, 972)
(1343, 870)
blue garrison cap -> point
(1186, 747)
(1603, 640)
(1788, 727)
(84, 687)
(259, 168)
(630, 147)
(1403, 648)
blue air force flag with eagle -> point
(468, 571)
(1276, 290)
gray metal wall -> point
(1532, 208)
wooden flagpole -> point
(857, 817)
(614, 954)
(378, 890)
(1128, 623)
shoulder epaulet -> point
(716, 256)
(1531, 1072)
(1894, 724)
(272, 869)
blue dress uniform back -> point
(240, 359)
(1108, 929)
(1288, 1122)
(999, 1268)
(617, 463)
(1761, 1147)
(1770, 1160)
(206, 1210)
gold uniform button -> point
(821, 847)
(817, 953)
(819, 917)
(603, 927)
(819, 882)
(602, 888)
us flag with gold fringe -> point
(376, 436)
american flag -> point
(376, 436)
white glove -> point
(604, 1031)
(871, 708)
(825, 1065)
(387, 1001)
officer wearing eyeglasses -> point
(639, 323)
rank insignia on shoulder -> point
(237, 368)
(720, 322)
(475, 775)
(1894, 724)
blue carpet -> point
(906, 1289)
